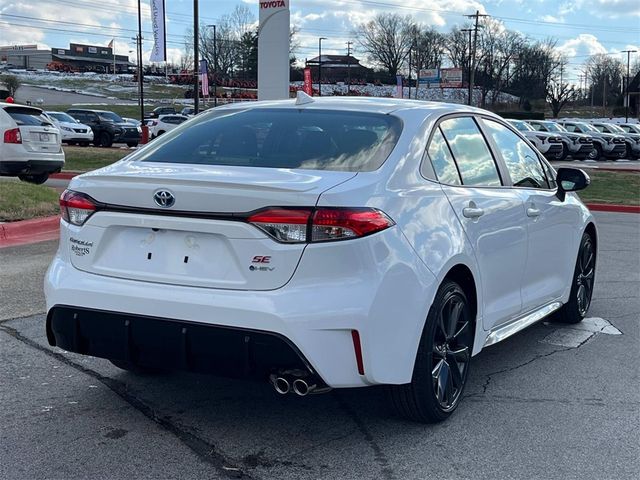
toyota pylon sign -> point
(273, 50)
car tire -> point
(84, 144)
(446, 344)
(106, 140)
(137, 369)
(565, 152)
(38, 179)
(581, 283)
(71, 144)
(628, 153)
(132, 144)
(596, 153)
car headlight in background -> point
(139, 128)
(66, 129)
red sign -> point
(308, 86)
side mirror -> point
(571, 180)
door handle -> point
(533, 212)
(472, 212)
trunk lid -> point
(200, 240)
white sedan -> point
(72, 131)
(322, 243)
(164, 124)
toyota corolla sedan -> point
(322, 243)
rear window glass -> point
(27, 116)
(281, 138)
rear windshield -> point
(27, 116)
(62, 117)
(281, 138)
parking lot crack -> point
(489, 376)
(379, 456)
(203, 449)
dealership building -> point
(78, 57)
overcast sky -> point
(581, 27)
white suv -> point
(30, 148)
(72, 131)
(322, 243)
(548, 144)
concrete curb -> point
(29, 231)
(65, 175)
(605, 207)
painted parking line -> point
(572, 336)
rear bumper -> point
(169, 343)
(34, 167)
(337, 288)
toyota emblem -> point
(164, 198)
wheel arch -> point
(463, 276)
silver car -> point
(578, 145)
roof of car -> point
(363, 104)
(5, 104)
(88, 110)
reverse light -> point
(76, 208)
(12, 136)
(301, 225)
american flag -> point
(204, 78)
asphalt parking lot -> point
(540, 405)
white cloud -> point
(583, 45)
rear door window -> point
(522, 162)
(442, 160)
(282, 138)
(471, 152)
(25, 116)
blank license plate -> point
(44, 137)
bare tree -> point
(606, 74)
(386, 40)
(429, 47)
(559, 92)
(456, 47)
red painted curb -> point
(64, 175)
(29, 231)
(604, 207)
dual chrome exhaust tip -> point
(284, 385)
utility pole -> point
(410, 48)
(196, 63)
(477, 16)
(470, 94)
(349, 67)
(627, 98)
(320, 65)
(604, 96)
(140, 72)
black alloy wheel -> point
(579, 301)
(443, 359)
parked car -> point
(549, 144)
(605, 145)
(165, 124)
(159, 111)
(72, 131)
(630, 127)
(322, 243)
(631, 139)
(31, 148)
(578, 145)
(108, 127)
(188, 111)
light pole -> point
(320, 65)
(628, 52)
(215, 67)
(196, 57)
(140, 72)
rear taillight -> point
(301, 225)
(76, 207)
(12, 136)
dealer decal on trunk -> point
(80, 247)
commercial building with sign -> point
(25, 56)
(77, 58)
(90, 58)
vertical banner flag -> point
(273, 46)
(159, 50)
(204, 78)
(308, 86)
(399, 93)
